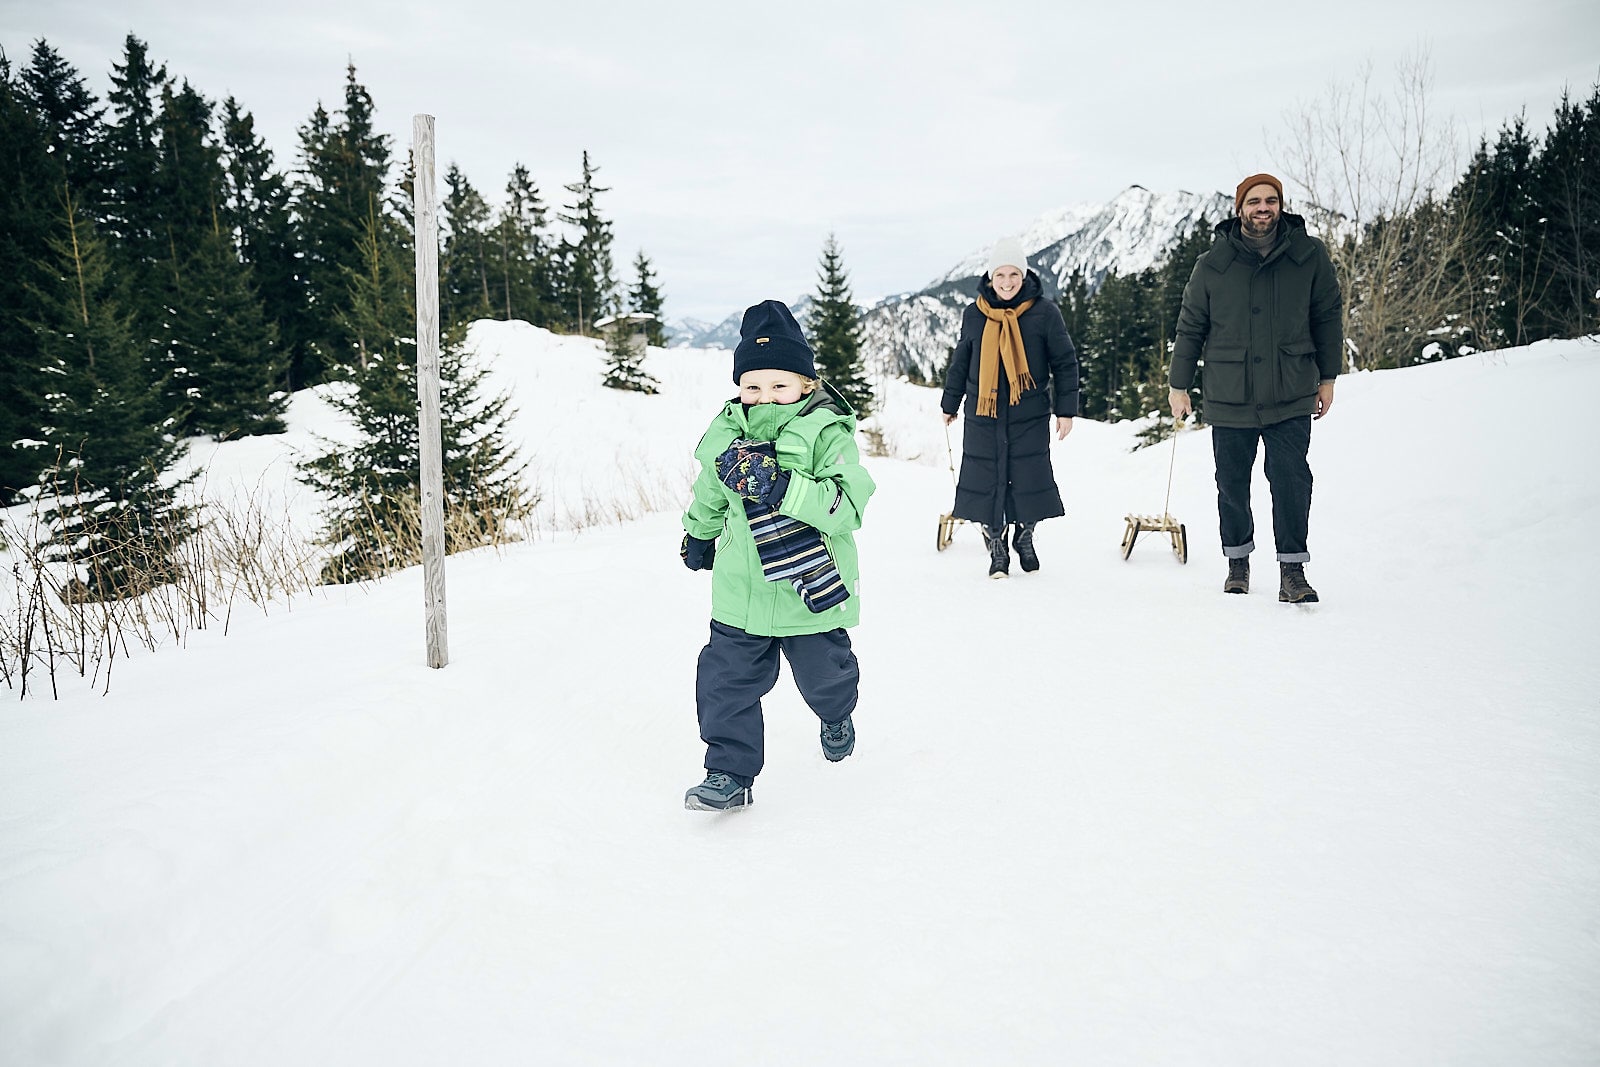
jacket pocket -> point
(1297, 371)
(1223, 375)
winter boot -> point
(838, 739)
(999, 551)
(1238, 580)
(1293, 587)
(1022, 541)
(718, 792)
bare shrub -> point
(1382, 164)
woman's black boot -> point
(1023, 543)
(999, 551)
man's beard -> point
(1252, 230)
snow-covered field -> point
(1102, 814)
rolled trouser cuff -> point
(1239, 551)
(1294, 557)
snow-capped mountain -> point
(695, 333)
(725, 334)
(912, 335)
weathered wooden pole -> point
(429, 435)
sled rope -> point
(950, 454)
(1166, 506)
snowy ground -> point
(1102, 814)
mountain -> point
(698, 333)
(912, 335)
(695, 333)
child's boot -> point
(838, 739)
(718, 792)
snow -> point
(1098, 814)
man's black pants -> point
(1288, 474)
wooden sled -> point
(1138, 524)
(947, 531)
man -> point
(1262, 309)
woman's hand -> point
(1063, 427)
(948, 419)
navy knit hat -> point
(770, 339)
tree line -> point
(1434, 264)
(162, 277)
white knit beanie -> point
(1007, 252)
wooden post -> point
(430, 437)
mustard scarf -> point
(1002, 343)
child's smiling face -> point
(773, 387)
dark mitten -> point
(750, 468)
(697, 554)
(774, 494)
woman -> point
(1015, 365)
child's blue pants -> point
(737, 669)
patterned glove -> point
(750, 468)
(697, 554)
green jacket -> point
(828, 490)
(1268, 329)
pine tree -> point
(591, 287)
(339, 190)
(372, 486)
(132, 208)
(1073, 300)
(108, 508)
(836, 332)
(30, 173)
(464, 259)
(1567, 182)
(524, 272)
(226, 346)
(256, 210)
(1118, 344)
(1171, 277)
(217, 353)
(625, 361)
(72, 120)
(645, 297)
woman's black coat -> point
(1005, 460)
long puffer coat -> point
(1006, 474)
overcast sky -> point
(735, 136)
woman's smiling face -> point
(1007, 281)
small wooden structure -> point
(1138, 524)
(947, 521)
(635, 324)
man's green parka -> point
(828, 490)
(1268, 328)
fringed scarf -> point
(1002, 343)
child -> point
(782, 486)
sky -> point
(736, 137)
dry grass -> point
(242, 552)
